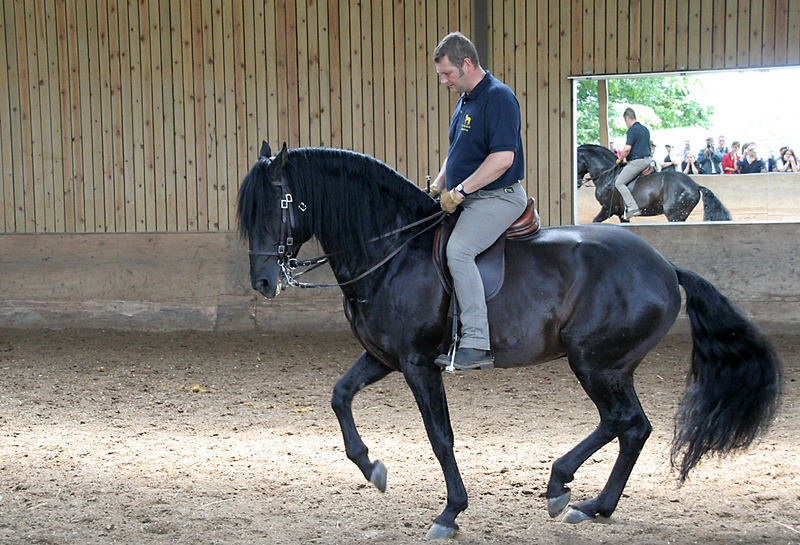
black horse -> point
(671, 193)
(596, 293)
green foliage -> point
(666, 101)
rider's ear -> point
(266, 152)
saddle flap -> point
(491, 263)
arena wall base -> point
(200, 281)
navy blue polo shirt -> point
(638, 138)
(485, 121)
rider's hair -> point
(457, 47)
(629, 113)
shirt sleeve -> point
(503, 120)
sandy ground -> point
(129, 438)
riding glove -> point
(450, 200)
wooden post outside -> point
(602, 107)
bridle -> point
(285, 248)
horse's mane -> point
(350, 197)
(599, 151)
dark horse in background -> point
(596, 293)
(671, 193)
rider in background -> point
(637, 146)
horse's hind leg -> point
(365, 371)
(621, 416)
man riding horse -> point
(637, 146)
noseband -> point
(285, 250)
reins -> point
(289, 264)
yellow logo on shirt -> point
(465, 126)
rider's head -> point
(457, 63)
(629, 116)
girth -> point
(491, 263)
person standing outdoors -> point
(481, 174)
(637, 146)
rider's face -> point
(452, 76)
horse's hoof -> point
(575, 516)
(438, 531)
(556, 506)
(378, 477)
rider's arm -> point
(489, 170)
(440, 178)
(624, 153)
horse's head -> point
(268, 218)
(593, 160)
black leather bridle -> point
(285, 248)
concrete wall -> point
(201, 281)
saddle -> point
(491, 263)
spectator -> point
(690, 165)
(719, 153)
(613, 148)
(653, 163)
(731, 159)
(750, 163)
(687, 148)
(705, 157)
(788, 162)
(669, 164)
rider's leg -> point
(621, 183)
(486, 215)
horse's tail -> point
(713, 209)
(734, 382)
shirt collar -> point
(476, 92)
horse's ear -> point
(283, 156)
(265, 152)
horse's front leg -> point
(603, 215)
(365, 371)
(427, 386)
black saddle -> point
(491, 263)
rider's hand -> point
(435, 191)
(450, 200)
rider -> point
(481, 173)
(637, 145)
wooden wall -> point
(143, 116)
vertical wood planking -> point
(719, 17)
(743, 34)
(326, 90)
(389, 63)
(781, 30)
(6, 156)
(587, 31)
(635, 45)
(682, 38)
(543, 188)
(660, 22)
(181, 86)
(335, 73)
(45, 204)
(756, 38)
(707, 17)
(576, 34)
(731, 31)
(768, 34)
(793, 35)
(399, 102)
(647, 35)
(694, 37)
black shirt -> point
(638, 138)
